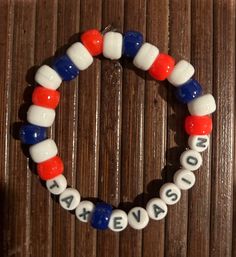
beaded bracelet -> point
(45, 98)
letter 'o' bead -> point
(31, 134)
(93, 40)
(48, 77)
(118, 220)
(80, 56)
(199, 143)
(181, 73)
(146, 56)
(101, 215)
(184, 179)
(203, 105)
(170, 193)
(84, 211)
(156, 209)
(40, 116)
(43, 151)
(57, 185)
(69, 199)
(191, 160)
(132, 41)
(198, 125)
(50, 168)
(112, 45)
(138, 218)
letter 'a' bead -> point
(184, 179)
(156, 209)
(101, 216)
(56, 185)
(132, 41)
(118, 220)
(43, 151)
(146, 56)
(84, 211)
(198, 143)
(93, 40)
(138, 218)
(191, 160)
(181, 73)
(112, 45)
(48, 77)
(31, 134)
(69, 199)
(170, 193)
(198, 125)
(203, 105)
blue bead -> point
(31, 134)
(188, 91)
(101, 216)
(132, 41)
(65, 68)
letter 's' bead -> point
(56, 185)
(118, 220)
(188, 91)
(31, 134)
(170, 193)
(162, 67)
(45, 97)
(145, 56)
(138, 218)
(93, 40)
(203, 105)
(47, 77)
(181, 73)
(50, 168)
(101, 216)
(132, 41)
(198, 125)
(65, 68)
(112, 45)
(191, 160)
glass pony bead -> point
(93, 40)
(198, 125)
(31, 134)
(132, 41)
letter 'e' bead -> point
(191, 160)
(170, 193)
(118, 220)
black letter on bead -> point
(169, 194)
(192, 160)
(68, 200)
(54, 184)
(157, 210)
(117, 223)
(186, 181)
(202, 142)
(84, 214)
(136, 216)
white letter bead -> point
(56, 185)
(69, 199)
(146, 56)
(184, 179)
(170, 193)
(84, 210)
(203, 105)
(181, 73)
(47, 77)
(43, 151)
(80, 56)
(138, 218)
(191, 160)
(118, 220)
(198, 143)
(40, 116)
(156, 209)
(112, 45)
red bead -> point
(50, 168)
(93, 40)
(45, 97)
(198, 125)
(162, 67)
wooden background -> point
(119, 132)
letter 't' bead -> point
(84, 211)
(138, 218)
(56, 185)
(118, 220)
(199, 143)
(170, 193)
(191, 160)
(69, 199)
(184, 179)
(156, 209)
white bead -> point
(184, 179)
(138, 218)
(57, 185)
(181, 73)
(112, 45)
(40, 116)
(43, 151)
(84, 210)
(69, 199)
(146, 56)
(198, 143)
(47, 77)
(118, 220)
(203, 105)
(80, 56)
(170, 193)
(156, 209)
(191, 160)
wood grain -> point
(119, 132)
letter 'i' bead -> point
(198, 143)
(56, 185)
(191, 160)
(138, 218)
(69, 199)
(170, 193)
(156, 209)
(198, 125)
(31, 134)
(184, 179)
(112, 45)
(84, 211)
(132, 41)
(118, 220)
(93, 40)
